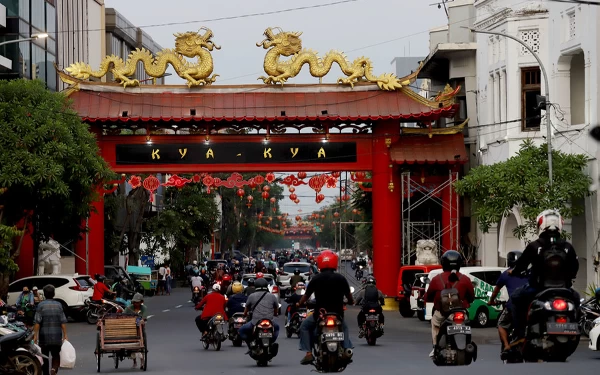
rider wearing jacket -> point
(212, 304)
(329, 288)
(293, 300)
(370, 298)
(234, 303)
(451, 263)
(550, 224)
(296, 278)
(250, 288)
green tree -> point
(522, 181)
(51, 166)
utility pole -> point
(547, 92)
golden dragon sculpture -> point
(189, 44)
(288, 44)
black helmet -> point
(101, 278)
(250, 282)
(371, 280)
(511, 258)
(451, 260)
(597, 294)
(296, 272)
(261, 284)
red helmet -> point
(327, 260)
(227, 277)
(311, 258)
(260, 275)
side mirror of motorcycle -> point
(352, 289)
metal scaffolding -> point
(412, 231)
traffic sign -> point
(147, 260)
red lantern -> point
(252, 184)
(151, 183)
(266, 188)
(322, 216)
(297, 201)
(273, 209)
(273, 200)
(292, 189)
(336, 174)
(320, 197)
(293, 197)
(336, 214)
(265, 195)
(270, 177)
(250, 198)
(345, 197)
(241, 193)
(360, 175)
(267, 222)
(298, 218)
(301, 175)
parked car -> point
(241, 257)
(286, 273)
(71, 290)
(484, 280)
(273, 288)
(406, 279)
(347, 255)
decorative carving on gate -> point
(283, 43)
(426, 252)
(189, 44)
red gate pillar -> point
(25, 259)
(387, 214)
(450, 216)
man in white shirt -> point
(196, 281)
(162, 271)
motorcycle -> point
(18, 355)
(216, 332)
(552, 332)
(263, 347)
(198, 293)
(96, 310)
(372, 327)
(329, 354)
(588, 312)
(236, 321)
(295, 322)
(359, 272)
(454, 346)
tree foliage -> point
(51, 165)
(522, 181)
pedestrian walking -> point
(168, 279)
(160, 289)
(50, 330)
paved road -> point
(175, 349)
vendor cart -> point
(120, 336)
(147, 278)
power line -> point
(582, 2)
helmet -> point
(250, 282)
(549, 220)
(195, 262)
(216, 287)
(261, 284)
(451, 260)
(203, 271)
(196, 273)
(371, 280)
(237, 287)
(511, 258)
(327, 260)
(296, 272)
(597, 294)
(260, 275)
(227, 277)
(311, 258)
(101, 278)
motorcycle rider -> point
(293, 300)
(511, 284)
(272, 269)
(296, 278)
(214, 303)
(451, 262)
(225, 283)
(313, 267)
(234, 303)
(370, 298)
(260, 305)
(250, 288)
(549, 243)
(204, 276)
(123, 292)
(329, 288)
(237, 268)
(101, 289)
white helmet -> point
(216, 287)
(195, 262)
(549, 220)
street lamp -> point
(33, 37)
(547, 92)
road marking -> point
(189, 301)
(167, 310)
(149, 316)
(178, 306)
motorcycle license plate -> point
(237, 325)
(265, 335)
(454, 330)
(562, 328)
(372, 317)
(333, 336)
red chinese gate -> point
(247, 128)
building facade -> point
(565, 36)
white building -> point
(565, 36)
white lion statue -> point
(49, 258)
(426, 252)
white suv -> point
(71, 290)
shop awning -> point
(420, 149)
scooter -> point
(372, 327)
(454, 346)
(216, 333)
(96, 311)
(329, 354)
(236, 321)
(17, 353)
(263, 347)
(294, 324)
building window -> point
(532, 39)
(572, 26)
(530, 89)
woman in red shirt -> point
(214, 303)
(100, 289)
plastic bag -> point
(67, 355)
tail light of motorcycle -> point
(218, 318)
(275, 290)
(372, 310)
(264, 324)
(196, 289)
(559, 304)
(561, 319)
(459, 317)
(330, 322)
(240, 320)
(303, 315)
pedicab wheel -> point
(98, 352)
(145, 360)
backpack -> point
(450, 299)
(554, 266)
